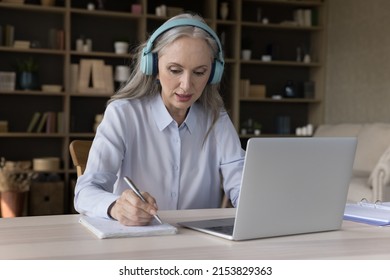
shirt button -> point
(173, 194)
(176, 167)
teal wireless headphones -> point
(149, 60)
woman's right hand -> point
(130, 210)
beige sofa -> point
(371, 169)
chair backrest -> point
(79, 150)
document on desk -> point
(368, 213)
(106, 228)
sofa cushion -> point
(358, 189)
(341, 130)
(338, 130)
(373, 140)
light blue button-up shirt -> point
(176, 165)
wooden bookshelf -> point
(103, 27)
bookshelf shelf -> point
(33, 51)
(109, 14)
(32, 92)
(283, 100)
(31, 135)
(100, 54)
(33, 8)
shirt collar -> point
(163, 118)
(160, 113)
(192, 116)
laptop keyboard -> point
(222, 229)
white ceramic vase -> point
(246, 54)
(121, 47)
(224, 10)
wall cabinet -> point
(266, 24)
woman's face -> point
(183, 69)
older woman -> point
(167, 130)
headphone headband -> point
(183, 22)
(149, 59)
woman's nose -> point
(185, 81)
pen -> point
(139, 194)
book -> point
(60, 122)
(19, 44)
(85, 70)
(42, 122)
(51, 123)
(109, 78)
(52, 38)
(91, 76)
(60, 43)
(244, 87)
(74, 77)
(98, 80)
(34, 121)
(369, 213)
(307, 17)
(1, 35)
(106, 228)
(9, 35)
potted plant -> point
(256, 128)
(15, 180)
(28, 74)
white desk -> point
(62, 237)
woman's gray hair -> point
(140, 85)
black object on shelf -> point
(290, 90)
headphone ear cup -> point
(147, 62)
(155, 64)
(216, 72)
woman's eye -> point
(200, 73)
(175, 70)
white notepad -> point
(105, 228)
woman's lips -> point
(183, 97)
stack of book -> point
(19, 44)
(56, 39)
(46, 122)
(248, 90)
(303, 17)
(92, 76)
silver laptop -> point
(289, 186)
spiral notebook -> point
(105, 228)
(369, 213)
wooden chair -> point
(79, 150)
(225, 202)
